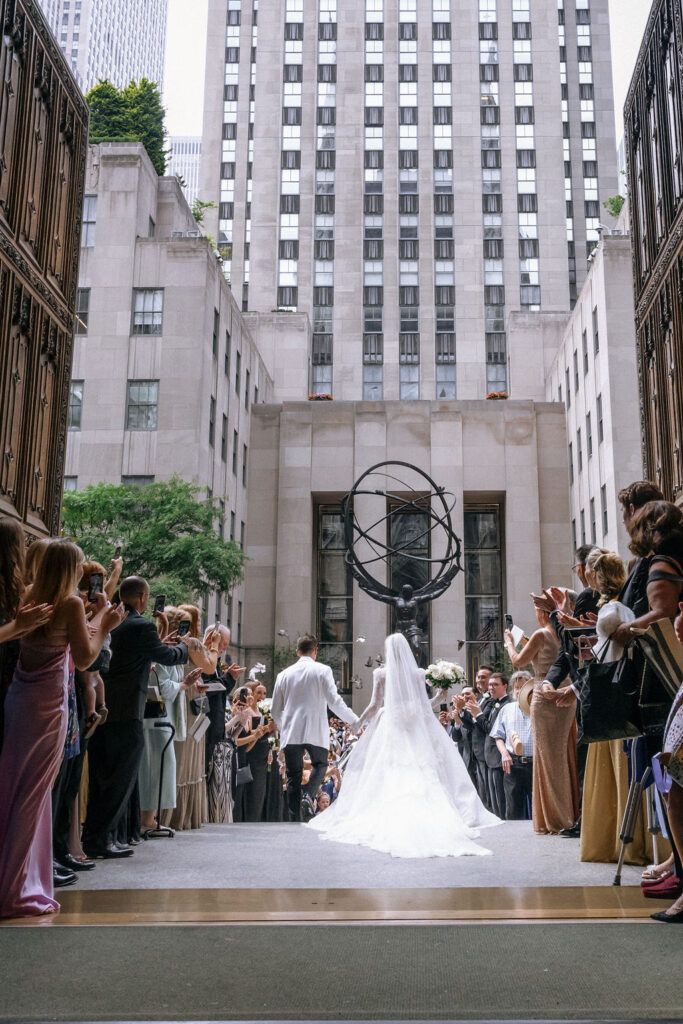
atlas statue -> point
(367, 546)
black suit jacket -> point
(567, 662)
(477, 736)
(485, 724)
(135, 646)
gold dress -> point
(192, 809)
(555, 797)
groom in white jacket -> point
(303, 692)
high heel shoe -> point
(676, 918)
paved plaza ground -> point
(286, 856)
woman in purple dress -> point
(35, 729)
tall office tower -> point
(115, 39)
(185, 162)
(407, 173)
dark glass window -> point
(334, 596)
(483, 584)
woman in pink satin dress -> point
(35, 729)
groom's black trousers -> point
(294, 761)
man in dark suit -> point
(116, 747)
(473, 708)
(454, 727)
(498, 693)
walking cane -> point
(161, 831)
(632, 809)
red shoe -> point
(647, 883)
(668, 889)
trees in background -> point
(133, 114)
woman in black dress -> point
(249, 731)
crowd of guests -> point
(119, 725)
(519, 737)
(172, 739)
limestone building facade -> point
(115, 39)
(408, 173)
(594, 374)
(165, 373)
(504, 461)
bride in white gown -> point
(406, 790)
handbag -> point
(664, 653)
(243, 775)
(608, 700)
(155, 706)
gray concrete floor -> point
(291, 856)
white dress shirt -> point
(303, 692)
(511, 719)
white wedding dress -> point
(405, 790)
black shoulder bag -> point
(609, 700)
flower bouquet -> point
(265, 707)
(444, 674)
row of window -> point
(584, 534)
(585, 360)
(492, 205)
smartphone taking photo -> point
(96, 585)
(183, 627)
(509, 623)
(159, 604)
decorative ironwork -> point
(373, 545)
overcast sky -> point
(184, 79)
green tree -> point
(147, 118)
(614, 205)
(167, 536)
(131, 114)
(109, 114)
(199, 208)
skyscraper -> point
(408, 172)
(120, 40)
(185, 162)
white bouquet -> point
(444, 674)
(265, 707)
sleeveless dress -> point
(36, 712)
(405, 790)
(555, 794)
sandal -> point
(90, 724)
(655, 872)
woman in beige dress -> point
(191, 809)
(555, 799)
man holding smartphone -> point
(116, 748)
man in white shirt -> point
(517, 768)
(302, 694)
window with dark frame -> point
(75, 405)
(224, 439)
(483, 547)
(142, 404)
(334, 616)
(216, 330)
(212, 421)
(148, 311)
(235, 449)
(82, 310)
